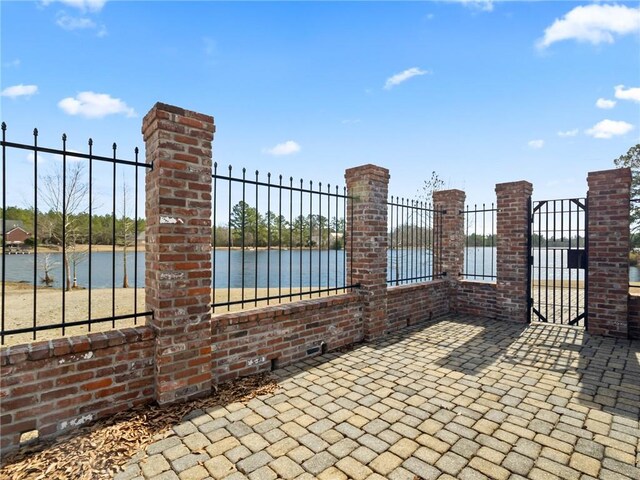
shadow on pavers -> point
(603, 373)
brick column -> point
(608, 252)
(449, 233)
(367, 187)
(178, 249)
(512, 256)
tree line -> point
(251, 229)
(50, 227)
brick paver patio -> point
(457, 398)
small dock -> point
(18, 251)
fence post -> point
(178, 249)
(512, 253)
(449, 234)
(608, 252)
(367, 241)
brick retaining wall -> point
(57, 385)
(249, 342)
(411, 304)
(476, 298)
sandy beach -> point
(19, 308)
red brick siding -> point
(17, 235)
(57, 385)
(411, 304)
(608, 244)
(246, 342)
(476, 298)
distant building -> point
(15, 234)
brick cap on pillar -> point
(368, 170)
(452, 193)
(163, 111)
(520, 184)
(613, 173)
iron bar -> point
(65, 280)
(4, 224)
(35, 229)
(113, 240)
(90, 226)
(268, 236)
(214, 240)
(255, 246)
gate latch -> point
(577, 258)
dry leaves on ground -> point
(98, 451)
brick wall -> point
(476, 298)
(57, 385)
(411, 304)
(608, 247)
(245, 343)
(634, 317)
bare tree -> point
(47, 264)
(66, 196)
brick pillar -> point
(512, 256)
(367, 187)
(449, 233)
(178, 249)
(608, 252)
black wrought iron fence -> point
(414, 240)
(480, 242)
(71, 243)
(276, 239)
(634, 253)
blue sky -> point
(481, 92)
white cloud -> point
(398, 78)
(20, 91)
(609, 128)
(285, 148)
(95, 105)
(568, 133)
(68, 22)
(12, 64)
(83, 5)
(605, 104)
(594, 24)
(484, 5)
(632, 93)
(536, 144)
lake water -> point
(287, 267)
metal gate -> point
(558, 265)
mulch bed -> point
(100, 450)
